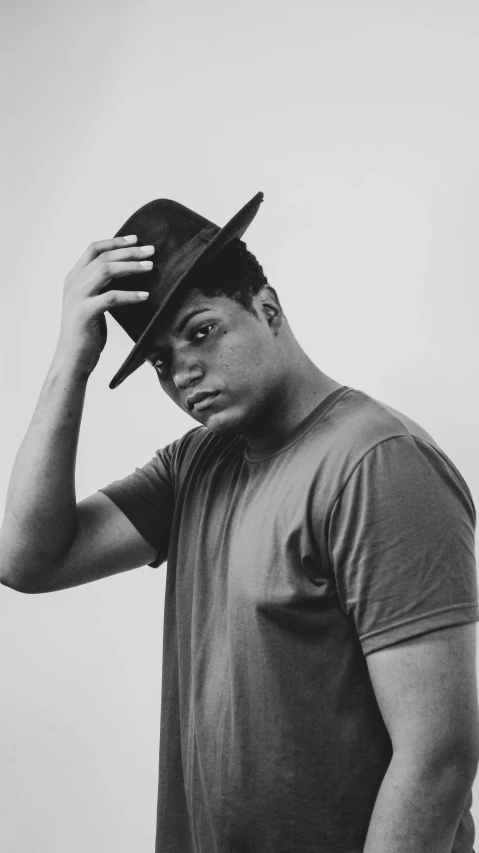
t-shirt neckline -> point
(300, 429)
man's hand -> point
(85, 298)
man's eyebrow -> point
(163, 350)
(181, 325)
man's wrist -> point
(66, 366)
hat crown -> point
(165, 224)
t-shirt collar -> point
(283, 443)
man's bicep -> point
(427, 693)
(106, 543)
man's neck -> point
(304, 389)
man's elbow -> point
(447, 770)
(19, 573)
(466, 760)
(19, 581)
(15, 585)
(460, 753)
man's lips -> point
(194, 400)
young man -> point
(318, 689)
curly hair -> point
(234, 272)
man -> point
(318, 689)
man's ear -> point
(271, 306)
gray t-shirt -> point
(285, 571)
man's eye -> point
(201, 333)
(160, 366)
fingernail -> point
(146, 264)
(147, 249)
(143, 294)
(131, 238)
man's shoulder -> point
(365, 421)
(367, 431)
(355, 426)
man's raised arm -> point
(41, 519)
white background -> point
(359, 122)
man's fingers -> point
(114, 298)
(104, 272)
(130, 253)
(98, 246)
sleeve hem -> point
(132, 515)
(458, 614)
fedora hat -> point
(184, 243)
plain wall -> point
(359, 122)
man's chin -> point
(224, 422)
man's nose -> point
(186, 372)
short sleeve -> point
(401, 544)
(146, 496)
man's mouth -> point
(200, 400)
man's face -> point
(219, 362)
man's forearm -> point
(418, 809)
(40, 514)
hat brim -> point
(204, 252)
